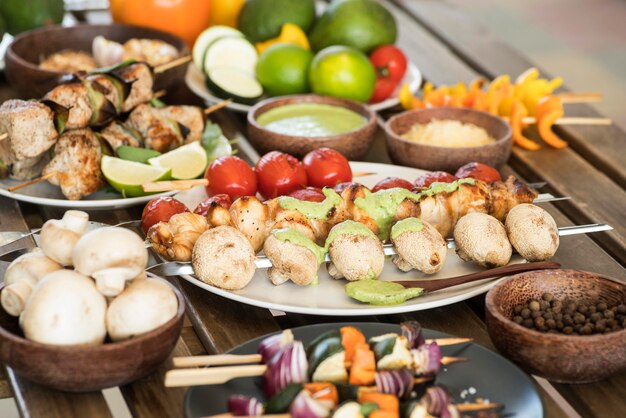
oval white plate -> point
(196, 82)
(46, 194)
(329, 298)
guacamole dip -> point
(311, 119)
(378, 292)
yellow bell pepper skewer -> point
(407, 100)
(518, 113)
(549, 109)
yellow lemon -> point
(225, 12)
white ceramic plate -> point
(46, 194)
(196, 82)
(329, 298)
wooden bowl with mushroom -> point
(89, 368)
(560, 357)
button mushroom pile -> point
(106, 293)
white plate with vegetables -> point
(329, 296)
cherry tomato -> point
(479, 171)
(310, 194)
(425, 180)
(391, 182)
(222, 200)
(390, 64)
(160, 209)
(232, 176)
(279, 174)
(326, 167)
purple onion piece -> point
(437, 400)
(240, 405)
(427, 359)
(304, 406)
(288, 366)
(272, 345)
(395, 382)
(412, 330)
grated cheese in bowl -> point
(448, 133)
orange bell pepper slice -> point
(549, 109)
(407, 100)
(518, 113)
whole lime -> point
(23, 15)
(261, 20)
(284, 69)
(341, 71)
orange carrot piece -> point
(323, 391)
(384, 414)
(363, 367)
(386, 402)
(350, 338)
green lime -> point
(186, 162)
(140, 155)
(341, 71)
(127, 176)
(283, 69)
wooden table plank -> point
(602, 146)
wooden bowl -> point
(557, 357)
(25, 52)
(354, 144)
(84, 369)
(434, 158)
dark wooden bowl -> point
(430, 157)
(26, 51)
(83, 369)
(557, 357)
(354, 144)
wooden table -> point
(448, 48)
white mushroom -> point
(420, 246)
(65, 308)
(111, 256)
(224, 257)
(21, 277)
(532, 232)
(355, 252)
(482, 238)
(59, 236)
(294, 257)
(143, 306)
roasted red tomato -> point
(326, 167)
(425, 180)
(279, 174)
(232, 176)
(310, 194)
(222, 200)
(160, 209)
(392, 182)
(479, 171)
(390, 64)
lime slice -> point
(127, 176)
(186, 162)
(141, 155)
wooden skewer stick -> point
(33, 181)
(168, 186)
(575, 97)
(229, 415)
(211, 375)
(4, 136)
(573, 121)
(448, 341)
(217, 106)
(362, 174)
(446, 361)
(158, 94)
(172, 64)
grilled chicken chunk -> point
(141, 91)
(191, 117)
(152, 51)
(75, 97)
(76, 163)
(30, 129)
(159, 133)
(117, 134)
(29, 168)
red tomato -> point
(479, 171)
(425, 180)
(160, 209)
(391, 182)
(279, 174)
(390, 64)
(310, 194)
(222, 200)
(232, 176)
(326, 167)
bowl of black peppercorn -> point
(565, 325)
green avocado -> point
(261, 20)
(361, 24)
(23, 15)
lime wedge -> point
(127, 176)
(186, 162)
(141, 155)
